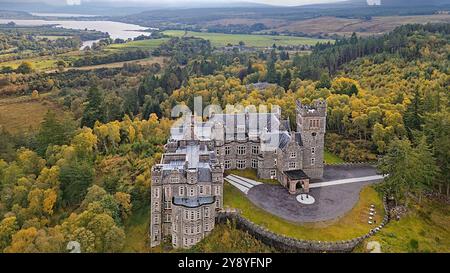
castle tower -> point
(311, 124)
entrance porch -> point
(296, 181)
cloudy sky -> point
(186, 2)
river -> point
(114, 29)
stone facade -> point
(187, 185)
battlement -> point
(317, 109)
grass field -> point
(352, 224)
(424, 229)
(251, 174)
(147, 61)
(21, 114)
(143, 44)
(38, 63)
(220, 39)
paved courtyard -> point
(335, 194)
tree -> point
(286, 79)
(413, 115)
(8, 226)
(25, 68)
(95, 230)
(271, 76)
(33, 240)
(410, 170)
(53, 132)
(437, 131)
(76, 177)
(94, 110)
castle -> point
(187, 185)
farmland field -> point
(142, 44)
(23, 113)
(220, 39)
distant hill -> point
(410, 3)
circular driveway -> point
(331, 202)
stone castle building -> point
(187, 185)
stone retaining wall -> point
(286, 244)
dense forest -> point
(83, 176)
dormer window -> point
(293, 155)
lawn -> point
(351, 225)
(424, 229)
(332, 158)
(23, 113)
(251, 174)
(221, 39)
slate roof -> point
(296, 174)
(193, 202)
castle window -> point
(314, 123)
(167, 218)
(156, 205)
(174, 179)
(191, 191)
(186, 215)
(254, 163)
(313, 161)
(174, 241)
(174, 225)
(217, 190)
(218, 152)
(227, 150)
(255, 149)
(293, 155)
(156, 193)
(201, 190)
(181, 191)
(198, 228)
(240, 164)
(156, 219)
(292, 165)
(241, 150)
(313, 150)
(206, 226)
(167, 205)
(274, 161)
(206, 212)
(273, 173)
(155, 235)
(167, 193)
(198, 214)
(227, 164)
(192, 215)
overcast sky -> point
(186, 2)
